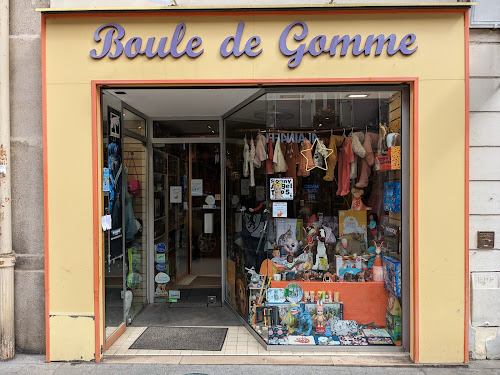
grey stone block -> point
(29, 311)
(26, 89)
(493, 348)
(27, 198)
(24, 19)
(472, 338)
(30, 262)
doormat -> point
(181, 338)
(206, 281)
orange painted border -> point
(467, 135)
(277, 11)
(416, 307)
(95, 217)
(45, 191)
(255, 82)
(114, 336)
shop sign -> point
(281, 189)
(114, 44)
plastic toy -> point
(329, 277)
(320, 317)
(305, 324)
(255, 280)
(321, 257)
(357, 204)
(372, 225)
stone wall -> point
(485, 191)
(27, 174)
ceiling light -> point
(357, 95)
(120, 92)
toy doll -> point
(372, 225)
(320, 317)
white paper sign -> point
(281, 189)
(245, 186)
(175, 194)
(114, 125)
(279, 209)
(106, 222)
(197, 187)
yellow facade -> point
(439, 65)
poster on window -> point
(196, 187)
(175, 194)
(114, 123)
(281, 189)
(280, 209)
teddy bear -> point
(357, 204)
(349, 246)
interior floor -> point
(164, 314)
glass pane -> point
(133, 122)
(313, 183)
(205, 203)
(113, 206)
(170, 184)
(185, 129)
(136, 254)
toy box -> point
(347, 266)
(393, 323)
(392, 275)
(330, 310)
(392, 196)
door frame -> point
(186, 140)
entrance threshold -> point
(240, 347)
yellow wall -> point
(439, 64)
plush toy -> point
(349, 246)
(373, 252)
(357, 204)
(357, 139)
(291, 246)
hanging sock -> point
(334, 143)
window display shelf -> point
(364, 302)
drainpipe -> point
(7, 257)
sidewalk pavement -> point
(34, 364)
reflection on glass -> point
(135, 212)
(133, 122)
(113, 206)
(185, 129)
(313, 197)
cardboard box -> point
(392, 275)
(347, 266)
(393, 324)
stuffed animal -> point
(349, 246)
(357, 139)
(291, 246)
(357, 204)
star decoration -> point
(321, 147)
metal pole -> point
(7, 257)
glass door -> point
(206, 212)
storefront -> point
(309, 162)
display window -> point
(315, 215)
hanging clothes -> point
(252, 158)
(334, 143)
(292, 159)
(357, 140)
(346, 157)
(306, 160)
(370, 141)
(246, 157)
(278, 158)
(320, 154)
(269, 161)
(260, 150)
